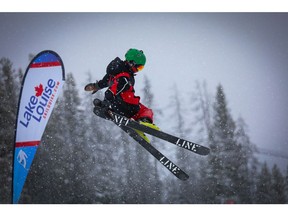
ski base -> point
(188, 145)
(168, 164)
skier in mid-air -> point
(124, 107)
(119, 79)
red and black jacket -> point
(120, 81)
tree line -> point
(85, 159)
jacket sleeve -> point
(104, 82)
(113, 68)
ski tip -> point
(183, 176)
(204, 151)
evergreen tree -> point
(263, 192)
(227, 157)
(202, 110)
(286, 185)
(246, 161)
(223, 128)
(201, 102)
(180, 193)
(99, 135)
(277, 186)
(227, 174)
(177, 120)
(249, 164)
(9, 91)
(153, 183)
(74, 143)
(131, 192)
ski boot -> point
(146, 122)
(101, 108)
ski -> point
(188, 145)
(173, 168)
(168, 164)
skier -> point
(121, 100)
(119, 79)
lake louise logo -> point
(39, 90)
(39, 104)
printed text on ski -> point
(187, 145)
(171, 166)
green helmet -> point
(136, 55)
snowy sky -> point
(246, 52)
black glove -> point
(94, 87)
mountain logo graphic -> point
(39, 90)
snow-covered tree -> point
(263, 184)
(278, 186)
(9, 91)
(228, 161)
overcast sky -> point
(246, 52)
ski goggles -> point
(136, 67)
(139, 67)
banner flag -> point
(40, 89)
